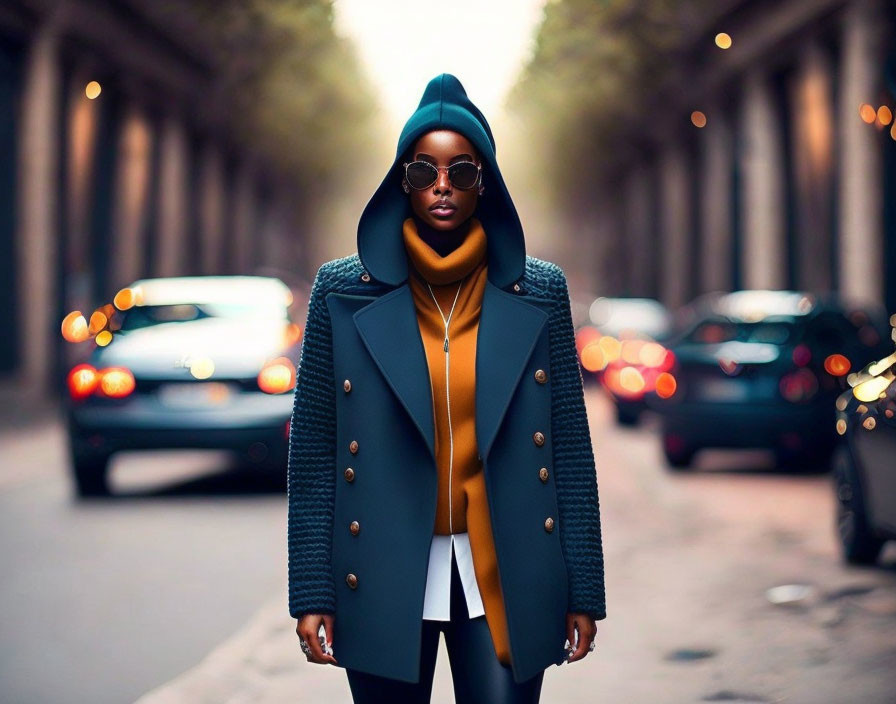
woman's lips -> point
(442, 211)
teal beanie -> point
(444, 105)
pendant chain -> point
(447, 321)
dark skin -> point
(442, 232)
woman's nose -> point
(443, 183)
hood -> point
(444, 105)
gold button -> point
(538, 437)
(549, 524)
(540, 376)
(349, 474)
(353, 447)
(351, 580)
(347, 385)
(543, 474)
(365, 276)
(355, 527)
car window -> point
(146, 316)
(711, 332)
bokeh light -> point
(723, 40)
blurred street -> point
(715, 181)
(99, 592)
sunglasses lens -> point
(421, 175)
(463, 175)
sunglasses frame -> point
(438, 171)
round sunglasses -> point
(422, 174)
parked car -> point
(864, 465)
(192, 362)
(762, 368)
(621, 346)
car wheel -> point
(91, 474)
(626, 416)
(858, 543)
(678, 452)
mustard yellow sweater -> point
(462, 502)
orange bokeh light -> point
(593, 357)
(867, 113)
(98, 321)
(117, 382)
(665, 385)
(277, 376)
(74, 327)
(124, 299)
(82, 381)
(836, 365)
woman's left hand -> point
(587, 628)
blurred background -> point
(717, 180)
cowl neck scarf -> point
(455, 265)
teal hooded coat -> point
(362, 434)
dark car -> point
(622, 347)
(864, 465)
(762, 368)
(193, 362)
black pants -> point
(477, 673)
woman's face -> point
(443, 148)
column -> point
(764, 215)
(131, 197)
(173, 190)
(38, 167)
(716, 154)
(211, 207)
(860, 196)
(675, 223)
(636, 224)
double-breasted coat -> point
(363, 479)
(362, 484)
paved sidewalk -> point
(21, 406)
(263, 664)
(28, 420)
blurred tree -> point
(294, 88)
(590, 77)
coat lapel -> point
(388, 326)
(508, 331)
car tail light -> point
(277, 376)
(798, 386)
(116, 382)
(665, 385)
(111, 382)
(837, 364)
(82, 381)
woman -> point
(439, 433)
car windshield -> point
(146, 316)
(718, 331)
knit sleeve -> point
(574, 468)
(312, 464)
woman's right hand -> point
(307, 629)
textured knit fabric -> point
(458, 280)
(312, 445)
